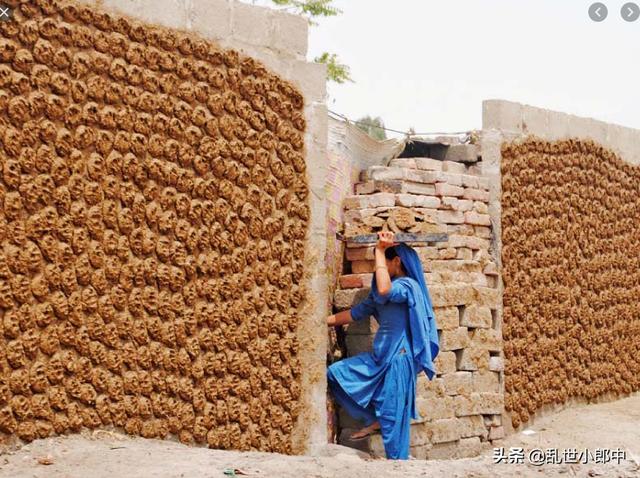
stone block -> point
(383, 173)
(480, 207)
(421, 176)
(487, 296)
(443, 430)
(487, 339)
(419, 434)
(252, 24)
(410, 187)
(470, 358)
(458, 383)
(456, 265)
(464, 153)
(361, 254)
(444, 189)
(464, 254)
(485, 381)
(448, 253)
(451, 217)
(419, 452)
(472, 425)
(467, 405)
(210, 18)
(454, 339)
(369, 201)
(452, 179)
(475, 315)
(355, 281)
(427, 253)
(367, 187)
(413, 200)
(496, 433)
(290, 34)
(443, 451)
(491, 269)
(429, 164)
(454, 167)
(475, 219)
(407, 163)
(469, 447)
(426, 388)
(469, 181)
(445, 361)
(502, 115)
(476, 194)
(447, 318)
(490, 403)
(347, 298)
(362, 267)
(435, 407)
(394, 186)
(482, 231)
(463, 205)
(472, 242)
(444, 296)
(357, 215)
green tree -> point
(373, 127)
(336, 71)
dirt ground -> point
(108, 454)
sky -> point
(429, 64)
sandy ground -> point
(108, 454)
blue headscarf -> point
(422, 320)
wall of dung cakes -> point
(154, 235)
(570, 255)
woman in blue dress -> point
(379, 387)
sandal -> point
(366, 435)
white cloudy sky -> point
(428, 64)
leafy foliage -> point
(312, 8)
(336, 71)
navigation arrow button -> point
(630, 12)
(598, 12)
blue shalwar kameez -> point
(381, 385)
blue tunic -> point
(381, 385)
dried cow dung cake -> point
(571, 271)
(152, 222)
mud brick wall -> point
(571, 272)
(462, 406)
(154, 235)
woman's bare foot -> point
(365, 431)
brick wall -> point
(462, 405)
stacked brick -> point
(461, 407)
